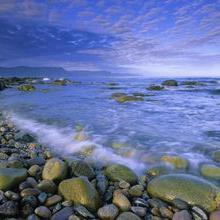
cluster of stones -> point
(36, 184)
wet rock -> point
(63, 214)
(117, 172)
(29, 192)
(128, 98)
(170, 82)
(192, 83)
(33, 170)
(210, 170)
(157, 170)
(189, 188)
(140, 211)
(47, 186)
(81, 168)
(177, 161)
(128, 216)
(81, 210)
(43, 211)
(80, 191)
(54, 169)
(73, 217)
(102, 184)
(155, 88)
(11, 177)
(182, 215)
(36, 161)
(12, 195)
(199, 213)
(53, 200)
(165, 212)
(123, 184)
(26, 88)
(121, 201)
(42, 197)
(216, 156)
(9, 209)
(32, 217)
(214, 215)
(136, 190)
(108, 212)
(155, 202)
(141, 202)
(180, 204)
(60, 82)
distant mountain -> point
(31, 70)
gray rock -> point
(9, 209)
(108, 212)
(63, 214)
(43, 211)
(128, 216)
(182, 215)
(81, 210)
(140, 211)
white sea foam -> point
(61, 141)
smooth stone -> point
(29, 192)
(117, 172)
(73, 217)
(136, 191)
(32, 217)
(176, 161)
(47, 186)
(43, 211)
(216, 156)
(54, 169)
(33, 170)
(108, 212)
(123, 184)
(165, 212)
(26, 88)
(9, 209)
(210, 170)
(102, 184)
(140, 211)
(42, 197)
(81, 168)
(12, 195)
(63, 214)
(11, 177)
(155, 202)
(121, 201)
(191, 189)
(180, 204)
(199, 212)
(128, 216)
(182, 215)
(80, 191)
(214, 215)
(53, 200)
(81, 210)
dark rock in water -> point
(9, 209)
(27, 138)
(81, 210)
(81, 168)
(216, 156)
(2, 85)
(26, 88)
(47, 186)
(170, 82)
(192, 83)
(60, 82)
(121, 98)
(155, 88)
(102, 184)
(63, 214)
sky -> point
(150, 37)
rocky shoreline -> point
(36, 183)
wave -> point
(61, 141)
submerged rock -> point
(192, 83)
(128, 98)
(189, 188)
(155, 88)
(177, 161)
(60, 82)
(170, 82)
(11, 177)
(80, 191)
(117, 172)
(216, 156)
(26, 88)
(2, 85)
(55, 169)
(210, 170)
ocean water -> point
(178, 121)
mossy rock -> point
(80, 191)
(118, 94)
(26, 88)
(81, 136)
(176, 161)
(216, 156)
(60, 82)
(11, 177)
(54, 169)
(157, 170)
(210, 170)
(117, 172)
(192, 83)
(155, 88)
(191, 189)
(170, 82)
(128, 98)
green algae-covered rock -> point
(117, 172)
(189, 188)
(176, 161)
(170, 82)
(210, 170)
(60, 82)
(216, 156)
(26, 88)
(54, 169)
(11, 177)
(128, 98)
(80, 191)
(157, 170)
(155, 88)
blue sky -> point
(152, 37)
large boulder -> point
(117, 172)
(189, 188)
(170, 82)
(80, 191)
(54, 169)
(11, 177)
(210, 170)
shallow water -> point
(178, 120)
